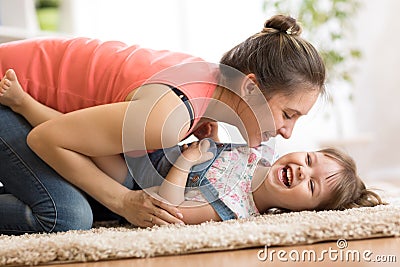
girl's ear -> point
(249, 85)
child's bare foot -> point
(11, 92)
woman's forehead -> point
(300, 101)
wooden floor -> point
(377, 252)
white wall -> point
(205, 28)
(17, 20)
(377, 89)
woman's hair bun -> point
(282, 24)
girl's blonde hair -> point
(349, 190)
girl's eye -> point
(308, 160)
(312, 186)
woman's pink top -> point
(71, 74)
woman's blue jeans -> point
(34, 198)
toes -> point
(10, 74)
(7, 83)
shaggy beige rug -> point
(123, 242)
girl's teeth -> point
(289, 176)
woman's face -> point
(301, 180)
(285, 110)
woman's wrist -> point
(123, 200)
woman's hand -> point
(142, 209)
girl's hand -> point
(142, 209)
(207, 130)
(194, 154)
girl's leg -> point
(13, 96)
(35, 197)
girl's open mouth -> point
(286, 176)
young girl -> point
(216, 181)
(238, 182)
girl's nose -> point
(301, 173)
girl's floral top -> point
(231, 175)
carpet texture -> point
(272, 230)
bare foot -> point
(11, 92)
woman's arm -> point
(173, 187)
(14, 96)
(36, 113)
(155, 118)
(193, 212)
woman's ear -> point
(249, 85)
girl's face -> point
(301, 180)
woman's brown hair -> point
(281, 60)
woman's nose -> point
(285, 132)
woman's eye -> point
(312, 186)
(286, 116)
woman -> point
(124, 101)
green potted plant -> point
(48, 14)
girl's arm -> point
(114, 166)
(155, 118)
(173, 187)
